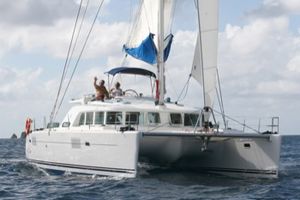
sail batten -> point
(205, 57)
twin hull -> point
(235, 155)
(113, 154)
(117, 153)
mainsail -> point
(142, 43)
(205, 58)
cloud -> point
(15, 83)
(259, 67)
(275, 8)
(54, 40)
(32, 12)
(258, 51)
(258, 61)
(46, 27)
(25, 93)
(251, 37)
(294, 64)
(279, 87)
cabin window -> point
(176, 118)
(99, 118)
(141, 119)
(191, 119)
(89, 118)
(132, 118)
(153, 118)
(66, 124)
(81, 119)
(114, 118)
(53, 125)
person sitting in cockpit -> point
(116, 91)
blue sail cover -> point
(147, 51)
(167, 49)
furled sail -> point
(205, 58)
(147, 51)
(142, 43)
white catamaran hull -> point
(117, 153)
(93, 138)
(246, 154)
(113, 154)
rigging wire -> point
(65, 65)
(79, 57)
(129, 31)
(219, 92)
(147, 18)
(186, 88)
(135, 23)
(195, 3)
(172, 17)
(131, 19)
(236, 121)
(78, 34)
(219, 101)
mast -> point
(205, 58)
(206, 111)
(160, 56)
(201, 56)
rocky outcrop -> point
(14, 136)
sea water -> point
(20, 180)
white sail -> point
(205, 57)
(147, 21)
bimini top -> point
(131, 70)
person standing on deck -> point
(101, 91)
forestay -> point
(205, 57)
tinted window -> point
(66, 124)
(141, 118)
(153, 118)
(176, 118)
(113, 118)
(99, 118)
(89, 118)
(191, 119)
(81, 119)
(132, 118)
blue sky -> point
(259, 56)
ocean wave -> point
(22, 180)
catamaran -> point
(111, 137)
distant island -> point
(14, 136)
(23, 135)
